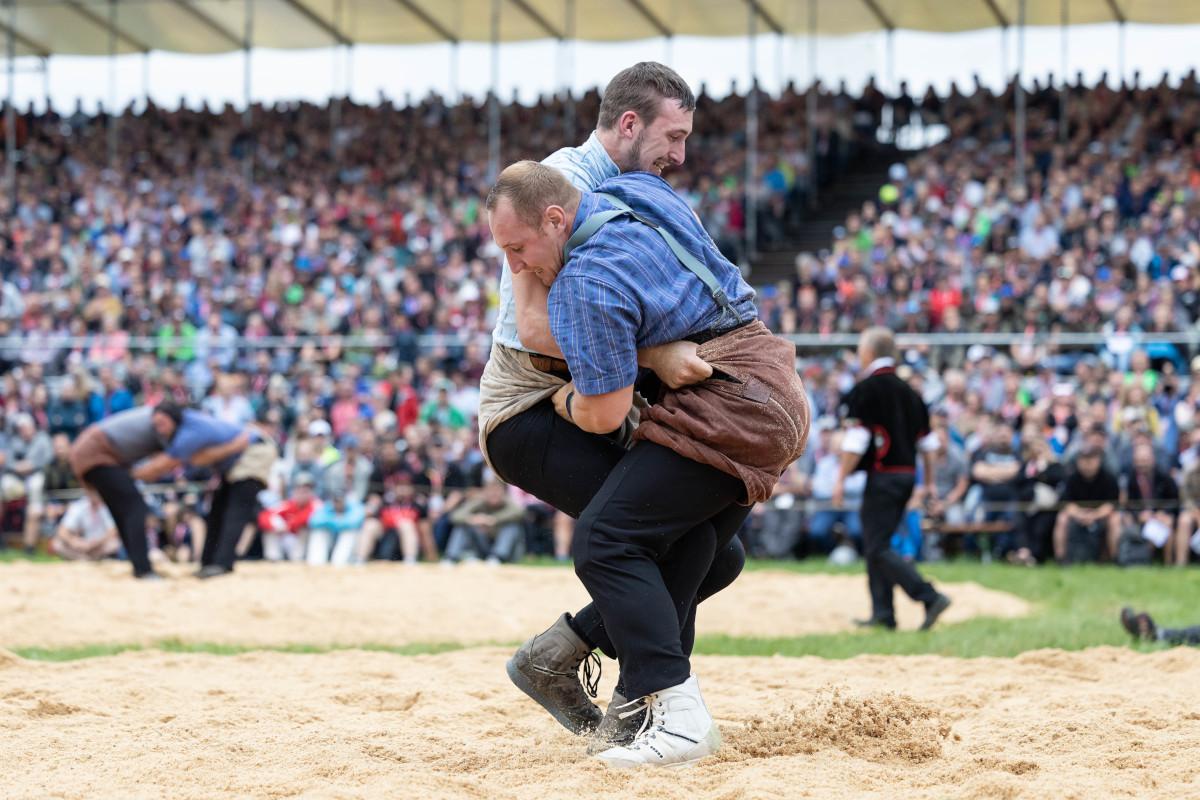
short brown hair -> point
(641, 89)
(531, 188)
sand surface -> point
(1105, 723)
(63, 605)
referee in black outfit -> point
(887, 424)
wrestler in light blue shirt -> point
(586, 167)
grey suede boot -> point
(614, 731)
(547, 669)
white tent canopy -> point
(102, 27)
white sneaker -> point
(677, 731)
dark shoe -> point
(933, 610)
(614, 731)
(886, 624)
(547, 669)
(1139, 626)
(212, 571)
(149, 576)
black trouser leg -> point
(233, 507)
(1180, 635)
(653, 500)
(883, 506)
(565, 467)
(118, 491)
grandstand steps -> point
(859, 183)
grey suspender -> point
(689, 261)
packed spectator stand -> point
(331, 276)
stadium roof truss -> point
(103, 27)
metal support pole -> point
(752, 138)
(811, 105)
(1062, 90)
(1004, 73)
(494, 98)
(45, 79)
(335, 102)
(1121, 53)
(248, 114)
(247, 73)
(780, 71)
(10, 116)
(145, 81)
(1019, 96)
(568, 45)
(112, 83)
(668, 50)
(893, 88)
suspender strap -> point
(590, 225)
(689, 261)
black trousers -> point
(1180, 635)
(643, 547)
(233, 507)
(118, 491)
(565, 467)
(884, 503)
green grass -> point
(1072, 608)
(10, 554)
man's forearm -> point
(847, 465)
(154, 468)
(218, 453)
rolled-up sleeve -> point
(595, 326)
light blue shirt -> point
(586, 167)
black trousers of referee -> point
(564, 466)
(233, 507)
(124, 500)
(885, 500)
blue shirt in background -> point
(624, 289)
(198, 431)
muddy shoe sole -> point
(571, 723)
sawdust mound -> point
(882, 726)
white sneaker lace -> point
(640, 704)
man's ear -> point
(555, 217)
(628, 124)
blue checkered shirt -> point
(586, 167)
(624, 289)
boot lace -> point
(591, 674)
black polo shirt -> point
(895, 416)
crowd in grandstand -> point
(209, 262)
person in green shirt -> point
(440, 410)
(177, 339)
